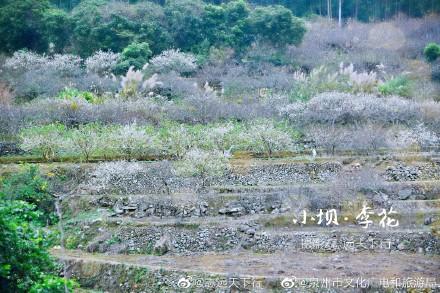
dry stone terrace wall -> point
(225, 235)
(136, 189)
(123, 177)
(117, 211)
(237, 205)
(143, 217)
(138, 177)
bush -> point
(135, 55)
(102, 63)
(177, 140)
(31, 187)
(399, 86)
(116, 175)
(432, 52)
(173, 60)
(364, 138)
(47, 140)
(23, 246)
(25, 207)
(131, 141)
(265, 137)
(369, 137)
(53, 284)
(175, 86)
(22, 60)
(339, 108)
(32, 75)
(85, 140)
(26, 265)
(329, 138)
(220, 137)
(72, 93)
(202, 164)
(277, 25)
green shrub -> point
(31, 187)
(399, 86)
(53, 284)
(276, 24)
(23, 246)
(72, 242)
(432, 52)
(71, 93)
(25, 263)
(136, 55)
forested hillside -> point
(82, 27)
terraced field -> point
(143, 232)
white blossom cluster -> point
(102, 62)
(340, 107)
(62, 63)
(265, 138)
(22, 60)
(173, 60)
(118, 174)
(201, 163)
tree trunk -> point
(340, 14)
(356, 10)
(329, 9)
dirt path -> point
(372, 266)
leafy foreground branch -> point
(25, 263)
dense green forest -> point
(189, 25)
(83, 27)
(365, 10)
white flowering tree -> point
(48, 140)
(202, 164)
(328, 137)
(85, 140)
(64, 64)
(264, 137)
(101, 62)
(178, 140)
(131, 140)
(23, 60)
(173, 60)
(116, 175)
(219, 137)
